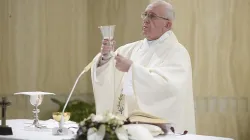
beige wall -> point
(44, 45)
(216, 33)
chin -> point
(150, 39)
(145, 35)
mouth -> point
(144, 27)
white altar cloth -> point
(20, 134)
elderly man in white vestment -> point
(153, 75)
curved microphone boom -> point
(61, 130)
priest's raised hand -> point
(106, 48)
(122, 64)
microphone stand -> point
(62, 130)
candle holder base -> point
(5, 130)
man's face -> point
(154, 24)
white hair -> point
(170, 14)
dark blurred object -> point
(4, 129)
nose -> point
(145, 19)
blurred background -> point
(45, 44)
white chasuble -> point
(159, 82)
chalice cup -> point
(108, 34)
(36, 100)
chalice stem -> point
(36, 111)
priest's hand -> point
(107, 47)
(122, 64)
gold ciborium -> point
(57, 116)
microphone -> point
(61, 130)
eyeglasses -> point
(151, 16)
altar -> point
(20, 133)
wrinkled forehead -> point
(156, 9)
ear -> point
(168, 24)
